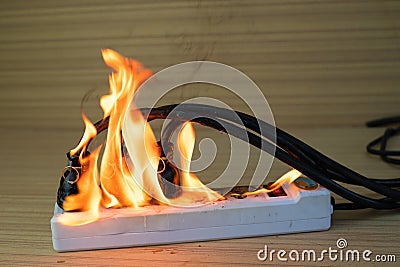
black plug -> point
(168, 173)
(69, 178)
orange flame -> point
(117, 184)
(193, 189)
(89, 196)
(288, 177)
(120, 190)
(89, 134)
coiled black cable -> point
(390, 156)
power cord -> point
(385, 154)
(285, 147)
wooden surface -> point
(325, 67)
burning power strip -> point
(130, 191)
(298, 208)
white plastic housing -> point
(299, 211)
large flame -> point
(120, 190)
(117, 184)
(193, 189)
(130, 179)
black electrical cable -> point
(256, 141)
(287, 148)
(386, 155)
(383, 121)
(286, 139)
(383, 139)
(303, 167)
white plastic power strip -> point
(299, 211)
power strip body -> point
(259, 215)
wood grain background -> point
(325, 67)
(317, 62)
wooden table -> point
(28, 191)
(325, 66)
